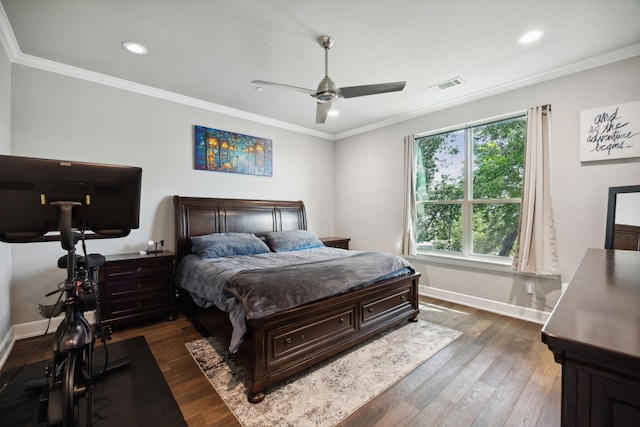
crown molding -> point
(7, 38)
(16, 56)
(103, 79)
(596, 61)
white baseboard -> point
(524, 313)
(31, 329)
(6, 346)
(38, 327)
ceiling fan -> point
(328, 92)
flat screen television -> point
(106, 198)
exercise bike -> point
(70, 373)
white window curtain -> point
(409, 226)
(536, 248)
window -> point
(469, 189)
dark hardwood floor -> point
(498, 373)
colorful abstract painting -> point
(223, 151)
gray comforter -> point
(254, 286)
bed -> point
(277, 344)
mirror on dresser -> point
(623, 218)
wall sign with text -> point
(610, 132)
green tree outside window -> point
(469, 188)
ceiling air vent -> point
(447, 84)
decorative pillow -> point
(227, 244)
(282, 241)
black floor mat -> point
(134, 394)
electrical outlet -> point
(531, 288)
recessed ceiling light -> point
(134, 47)
(530, 37)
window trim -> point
(480, 122)
(456, 259)
(466, 204)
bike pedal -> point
(53, 412)
(42, 407)
(106, 333)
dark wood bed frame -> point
(287, 342)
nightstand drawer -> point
(119, 288)
(135, 305)
(122, 270)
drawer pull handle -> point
(287, 341)
(139, 304)
(139, 285)
(341, 320)
(139, 269)
(404, 298)
(370, 309)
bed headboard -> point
(195, 216)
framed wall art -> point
(224, 151)
(611, 132)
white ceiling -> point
(209, 51)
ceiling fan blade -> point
(353, 91)
(296, 88)
(322, 111)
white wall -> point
(5, 250)
(59, 117)
(351, 188)
(369, 170)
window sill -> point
(477, 263)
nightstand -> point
(336, 242)
(136, 287)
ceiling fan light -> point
(326, 96)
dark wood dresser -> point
(336, 242)
(594, 332)
(136, 287)
(626, 237)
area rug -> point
(329, 392)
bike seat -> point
(90, 261)
(62, 261)
(94, 260)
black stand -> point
(74, 332)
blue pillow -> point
(227, 244)
(283, 241)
